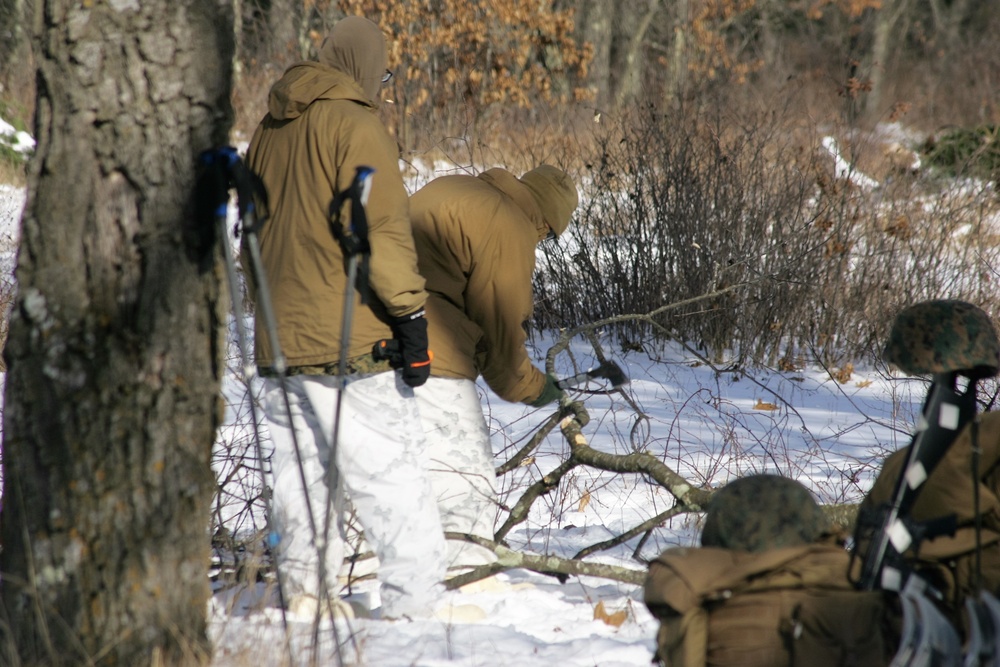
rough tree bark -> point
(115, 343)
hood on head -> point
(555, 194)
(357, 47)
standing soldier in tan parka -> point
(476, 239)
(319, 128)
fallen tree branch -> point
(643, 527)
(518, 459)
(693, 498)
(508, 559)
(519, 512)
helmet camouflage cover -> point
(762, 512)
(943, 336)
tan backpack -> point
(790, 606)
(948, 562)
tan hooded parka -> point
(476, 239)
(320, 126)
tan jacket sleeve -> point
(393, 274)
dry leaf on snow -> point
(616, 619)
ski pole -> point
(354, 245)
(250, 188)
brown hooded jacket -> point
(318, 129)
(476, 239)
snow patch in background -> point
(20, 141)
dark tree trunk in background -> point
(12, 30)
(886, 40)
(627, 59)
(284, 18)
(947, 19)
(676, 78)
(268, 32)
(593, 25)
(115, 345)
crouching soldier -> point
(769, 587)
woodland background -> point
(763, 183)
(536, 67)
(706, 115)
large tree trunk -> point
(115, 344)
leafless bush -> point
(776, 258)
(240, 506)
(677, 208)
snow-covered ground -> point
(709, 426)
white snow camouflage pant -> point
(459, 460)
(379, 451)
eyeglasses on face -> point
(387, 76)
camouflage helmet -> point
(762, 512)
(943, 336)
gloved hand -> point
(411, 333)
(550, 392)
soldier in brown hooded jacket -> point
(320, 126)
(476, 238)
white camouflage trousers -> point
(379, 452)
(460, 463)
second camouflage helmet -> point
(943, 336)
(762, 512)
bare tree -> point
(627, 60)
(948, 19)
(593, 25)
(284, 18)
(115, 342)
(885, 41)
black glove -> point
(411, 333)
(550, 393)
